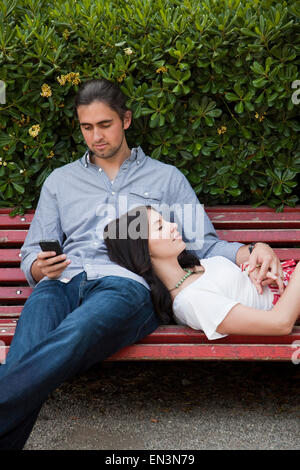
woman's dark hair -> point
(101, 90)
(127, 245)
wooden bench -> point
(233, 223)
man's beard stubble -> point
(110, 154)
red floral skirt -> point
(287, 268)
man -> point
(84, 308)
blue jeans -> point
(63, 330)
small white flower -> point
(128, 51)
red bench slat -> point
(161, 352)
(10, 311)
(246, 208)
(220, 215)
(184, 334)
(12, 236)
(266, 236)
(246, 352)
(288, 253)
(8, 256)
(172, 334)
(14, 293)
(19, 221)
(12, 255)
(251, 220)
(12, 275)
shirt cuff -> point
(227, 249)
(26, 268)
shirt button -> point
(138, 162)
(113, 193)
(146, 194)
(100, 169)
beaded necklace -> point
(188, 273)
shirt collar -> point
(137, 155)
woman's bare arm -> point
(278, 321)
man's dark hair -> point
(101, 90)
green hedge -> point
(209, 83)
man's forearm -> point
(36, 272)
(242, 255)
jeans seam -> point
(81, 287)
(138, 310)
(145, 322)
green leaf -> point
(258, 68)
(260, 82)
(247, 32)
(18, 187)
(231, 97)
(156, 153)
(239, 108)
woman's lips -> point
(177, 237)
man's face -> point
(102, 129)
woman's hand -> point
(265, 268)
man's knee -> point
(45, 301)
(115, 309)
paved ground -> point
(168, 406)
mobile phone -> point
(51, 245)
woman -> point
(213, 295)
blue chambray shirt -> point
(77, 200)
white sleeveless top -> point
(204, 304)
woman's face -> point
(164, 239)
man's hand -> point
(45, 265)
(265, 268)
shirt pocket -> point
(144, 196)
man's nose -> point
(98, 134)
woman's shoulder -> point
(213, 272)
(216, 263)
